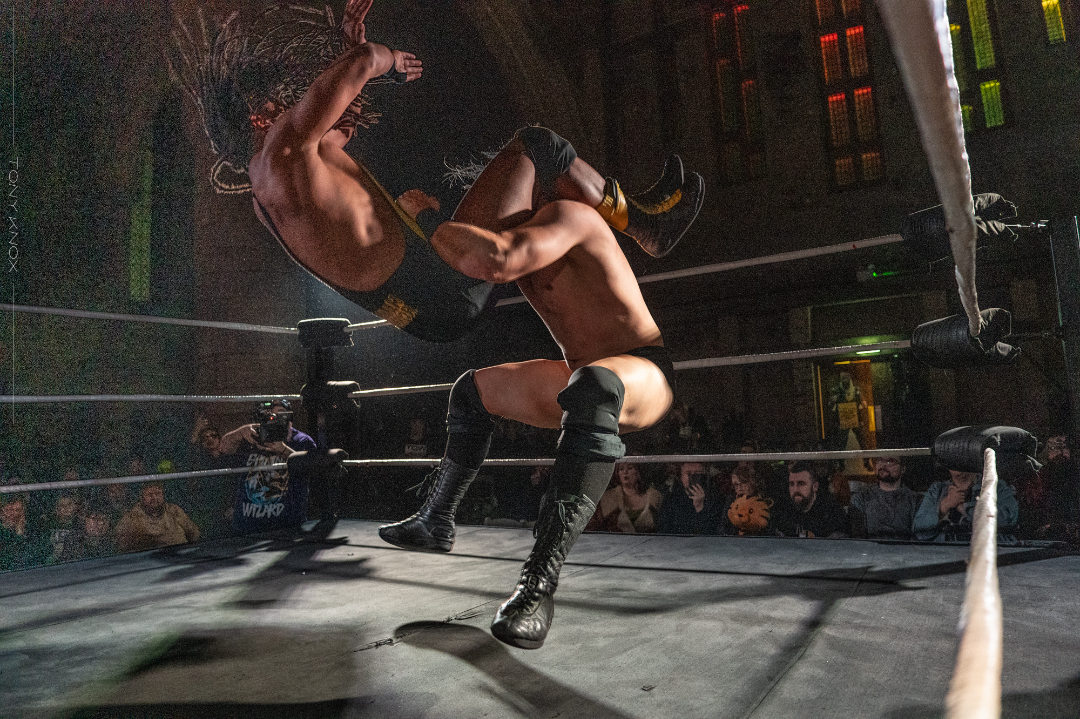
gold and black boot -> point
(658, 217)
(432, 528)
(524, 619)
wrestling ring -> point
(647, 625)
(329, 621)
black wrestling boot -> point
(432, 528)
(524, 619)
(658, 217)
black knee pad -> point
(551, 155)
(591, 404)
(466, 412)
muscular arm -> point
(509, 255)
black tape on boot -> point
(961, 449)
(946, 344)
(551, 154)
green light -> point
(884, 274)
(868, 352)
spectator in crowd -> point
(686, 431)
(268, 499)
(115, 502)
(812, 511)
(210, 499)
(518, 496)
(63, 526)
(95, 537)
(948, 507)
(20, 546)
(692, 506)
(1048, 499)
(629, 507)
(418, 441)
(886, 511)
(747, 511)
(154, 523)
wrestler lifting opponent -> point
(537, 215)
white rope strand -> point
(922, 44)
(134, 479)
(975, 689)
(197, 398)
(149, 319)
(666, 458)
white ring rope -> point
(922, 44)
(134, 479)
(52, 398)
(975, 689)
(645, 279)
(432, 461)
(442, 387)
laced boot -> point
(432, 528)
(658, 217)
(523, 620)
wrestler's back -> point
(326, 211)
(591, 302)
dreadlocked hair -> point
(232, 74)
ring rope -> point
(134, 479)
(675, 274)
(47, 399)
(432, 461)
(975, 689)
(442, 387)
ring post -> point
(325, 402)
(1065, 250)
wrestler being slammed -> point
(537, 215)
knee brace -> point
(551, 155)
(591, 404)
(466, 413)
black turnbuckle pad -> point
(317, 464)
(329, 396)
(961, 449)
(324, 332)
(946, 343)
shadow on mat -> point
(1062, 702)
(530, 692)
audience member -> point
(268, 499)
(747, 511)
(885, 511)
(629, 507)
(210, 499)
(518, 495)
(812, 511)
(94, 538)
(154, 523)
(948, 507)
(116, 500)
(691, 507)
(63, 526)
(1048, 499)
(20, 546)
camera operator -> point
(266, 499)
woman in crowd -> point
(629, 507)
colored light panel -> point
(825, 11)
(1055, 26)
(993, 110)
(845, 171)
(865, 119)
(981, 37)
(858, 64)
(872, 170)
(830, 57)
(750, 109)
(839, 128)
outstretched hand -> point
(352, 23)
(406, 67)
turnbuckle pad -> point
(946, 343)
(961, 449)
(324, 332)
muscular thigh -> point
(647, 398)
(524, 391)
(502, 197)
